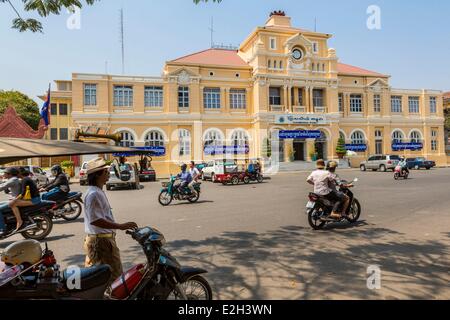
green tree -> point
(46, 8)
(340, 148)
(25, 107)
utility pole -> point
(212, 32)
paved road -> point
(256, 243)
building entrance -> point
(299, 148)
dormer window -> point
(273, 43)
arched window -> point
(269, 64)
(240, 138)
(415, 137)
(323, 67)
(184, 142)
(213, 138)
(313, 67)
(281, 64)
(358, 137)
(154, 139)
(397, 136)
(127, 139)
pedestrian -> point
(100, 243)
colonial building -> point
(282, 84)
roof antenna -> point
(212, 32)
(122, 42)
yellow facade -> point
(237, 97)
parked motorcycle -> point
(37, 221)
(170, 191)
(69, 208)
(160, 278)
(400, 173)
(319, 209)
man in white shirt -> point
(100, 243)
(195, 174)
(322, 180)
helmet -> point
(56, 169)
(183, 166)
(25, 251)
(12, 171)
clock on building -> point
(297, 54)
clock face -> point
(297, 54)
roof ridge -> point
(202, 51)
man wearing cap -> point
(14, 188)
(100, 244)
(322, 180)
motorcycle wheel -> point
(235, 180)
(396, 176)
(314, 220)
(246, 180)
(354, 212)
(75, 210)
(194, 199)
(43, 229)
(195, 288)
(165, 198)
(260, 178)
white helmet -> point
(21, 252)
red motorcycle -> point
(160, 278)
(400, 172)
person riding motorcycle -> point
(322, 179)
(195, 174)
(185, 178)
(403, 165)
(331, 167)
(59, 188)
(12, 187)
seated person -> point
(13, 187)
(185, 178)
(59, 188)
(404, 165)
(28, 197)
(251, 168)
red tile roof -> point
(348, 69)
(223, 57)
(447, 95)
(226, 57)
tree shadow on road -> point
(297, 263)
(3, 245)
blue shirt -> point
(185, 176)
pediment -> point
(183, 75)
(298, 39)
(378, 83)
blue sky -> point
(412, 46)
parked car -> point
(126, 176)
(83, 174)
(380, 162)
(148, 174)
(215, 167)
(419, 163)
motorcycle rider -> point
(59, 188)
(195, 174)
(28, 197)
(13, 187)
(321, 179)
(100, 242)
(331, 167)
(404, 166)
(185, 178)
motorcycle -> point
(37, 221)
(69, 208)
(254, 176)
(319, 209)
(160, 278)
(169, 192)
(400, 173)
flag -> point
(45, 109)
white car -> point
(83, 174)
(216, 167)
(125, 177)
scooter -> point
(69, 208)
(400, 173)
(37, 221)
(319, 209)
(169, 192)
(160, 278)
